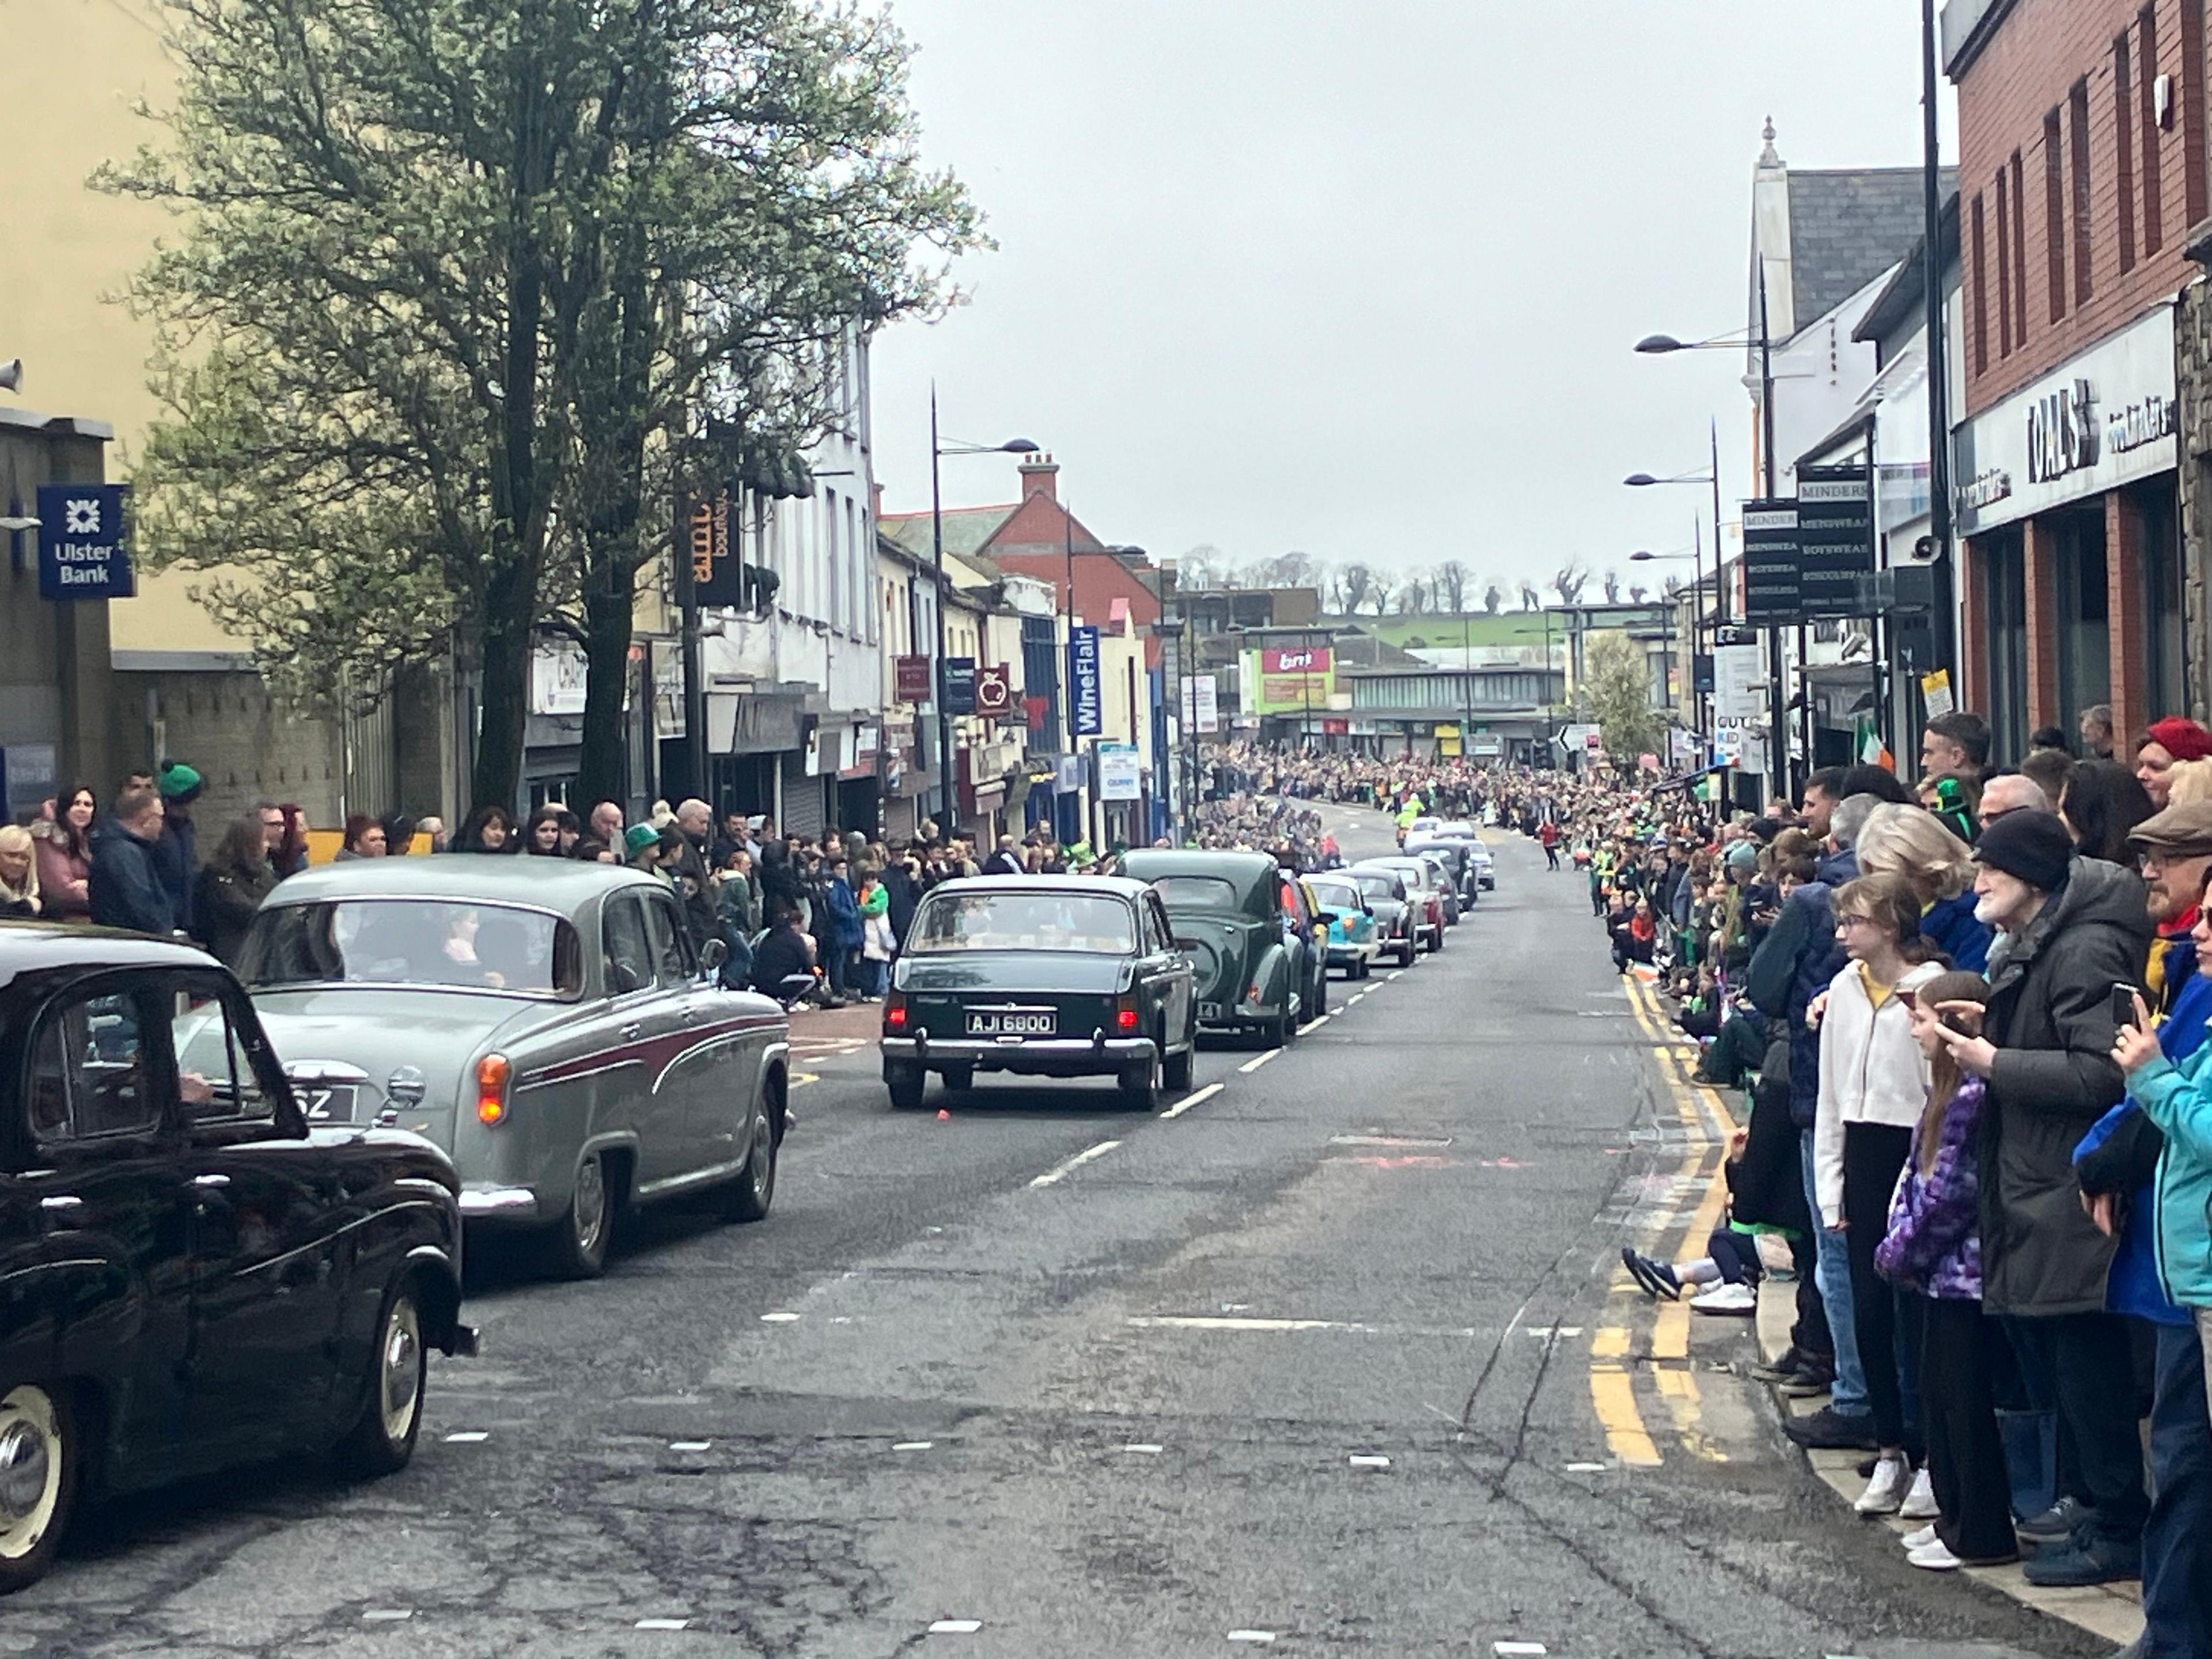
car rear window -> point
(1333, 893)
(413, 941)
(1022, 921)
(1197, 893)
(1375, 887)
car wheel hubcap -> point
(764, 1158)
(590, 1205)
(399, 1379)
(30, 1470)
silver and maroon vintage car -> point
(548, 1023)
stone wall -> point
(2193, 373)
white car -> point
(1479, 850)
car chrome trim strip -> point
(641, 1051)
(498, 1200)
(553, 1074)
(332, 1237)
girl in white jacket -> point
(1873, 1083)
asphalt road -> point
(1333, 1357)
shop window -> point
(2190, 95)
(2165, 663)
(2018, 252)
(2005, 597)
(2004, 265)
(1981, 292)
(2083, 593)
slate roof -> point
(966, 528)
(1846, 227)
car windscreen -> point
(1093, 922)
(412, 941)
(1376, 886)
(1336, 895)
(1197, 893)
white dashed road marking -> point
(1255, 1064)
(1191, 1100)
(1061, 1171)
(1314, 1024)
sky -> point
(1360, 277)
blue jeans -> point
(2177, 1539)
(1848, 1398)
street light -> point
(1660, 345)
(938, 450)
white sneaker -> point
(1935, 1557)
(1739, 1300)
(1920, 1503)
(1886, 1490)
(1920, 1539)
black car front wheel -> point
(40, 1464)
(1175, 1070)
(382, 1439)
(747, 1198)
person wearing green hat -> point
(176, 854)
(641, 849)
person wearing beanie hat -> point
(2031, 846)
(2070, 928)
(176, 855)
(2170, 739)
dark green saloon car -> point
(1250, 939)
(1061, 976)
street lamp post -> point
(936, 451)
(1654, 345)
(1695, 553)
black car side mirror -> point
(1326, 917)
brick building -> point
(2083, 169)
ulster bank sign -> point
(84, 548)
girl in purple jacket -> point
(1933, 1253)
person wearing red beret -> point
(2170, 739)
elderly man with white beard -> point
(2068, 930)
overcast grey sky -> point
(1361, 276)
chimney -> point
(875, 500)
(1041, 476)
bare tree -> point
(1291, 569)
(1353, 583)
(1201, 568)
(1493, 599)
(1530, 598)
(1453, 581)
(1412, 597)
(1380, 587)
(1612, 587)
(1636, 595)
(1569, 582)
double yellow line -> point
(1706, 1128)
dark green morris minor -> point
(1250, 934)
(1060, 977)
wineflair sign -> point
(2108, 417)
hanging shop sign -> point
(1771, 555)
(1835, 539)
(85, 542)
(913, 679)
(1120, 772)
(994, 689)
(2105, 418)
(1739, 690)
(1084, 682)
(1207, 707)
(960, 685)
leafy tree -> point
(453, 281)
(1617, 688)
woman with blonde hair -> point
(19, 873)
(1911, 842)
(2188, 781)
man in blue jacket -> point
(125, 891)
(1793, 965)
(176, 850)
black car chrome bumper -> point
(1037, 1056)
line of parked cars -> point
(232, 1209)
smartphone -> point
(2124, 1004)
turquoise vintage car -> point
(1354, 942)
(1058, 976)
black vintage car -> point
(1250, 934)
(190, 1278)
(1042, 976)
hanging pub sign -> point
(994, 689)
(1770, 551)
(912, 678)
(1835, 539)
(85, 542)
(960, 685)
(717, 574)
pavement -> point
(1333, 1355)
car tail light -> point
(491, 1089)
(1125, 1014)
(1252, 995)
(894, 1012)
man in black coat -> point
(126, 889)
(2070, 929)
